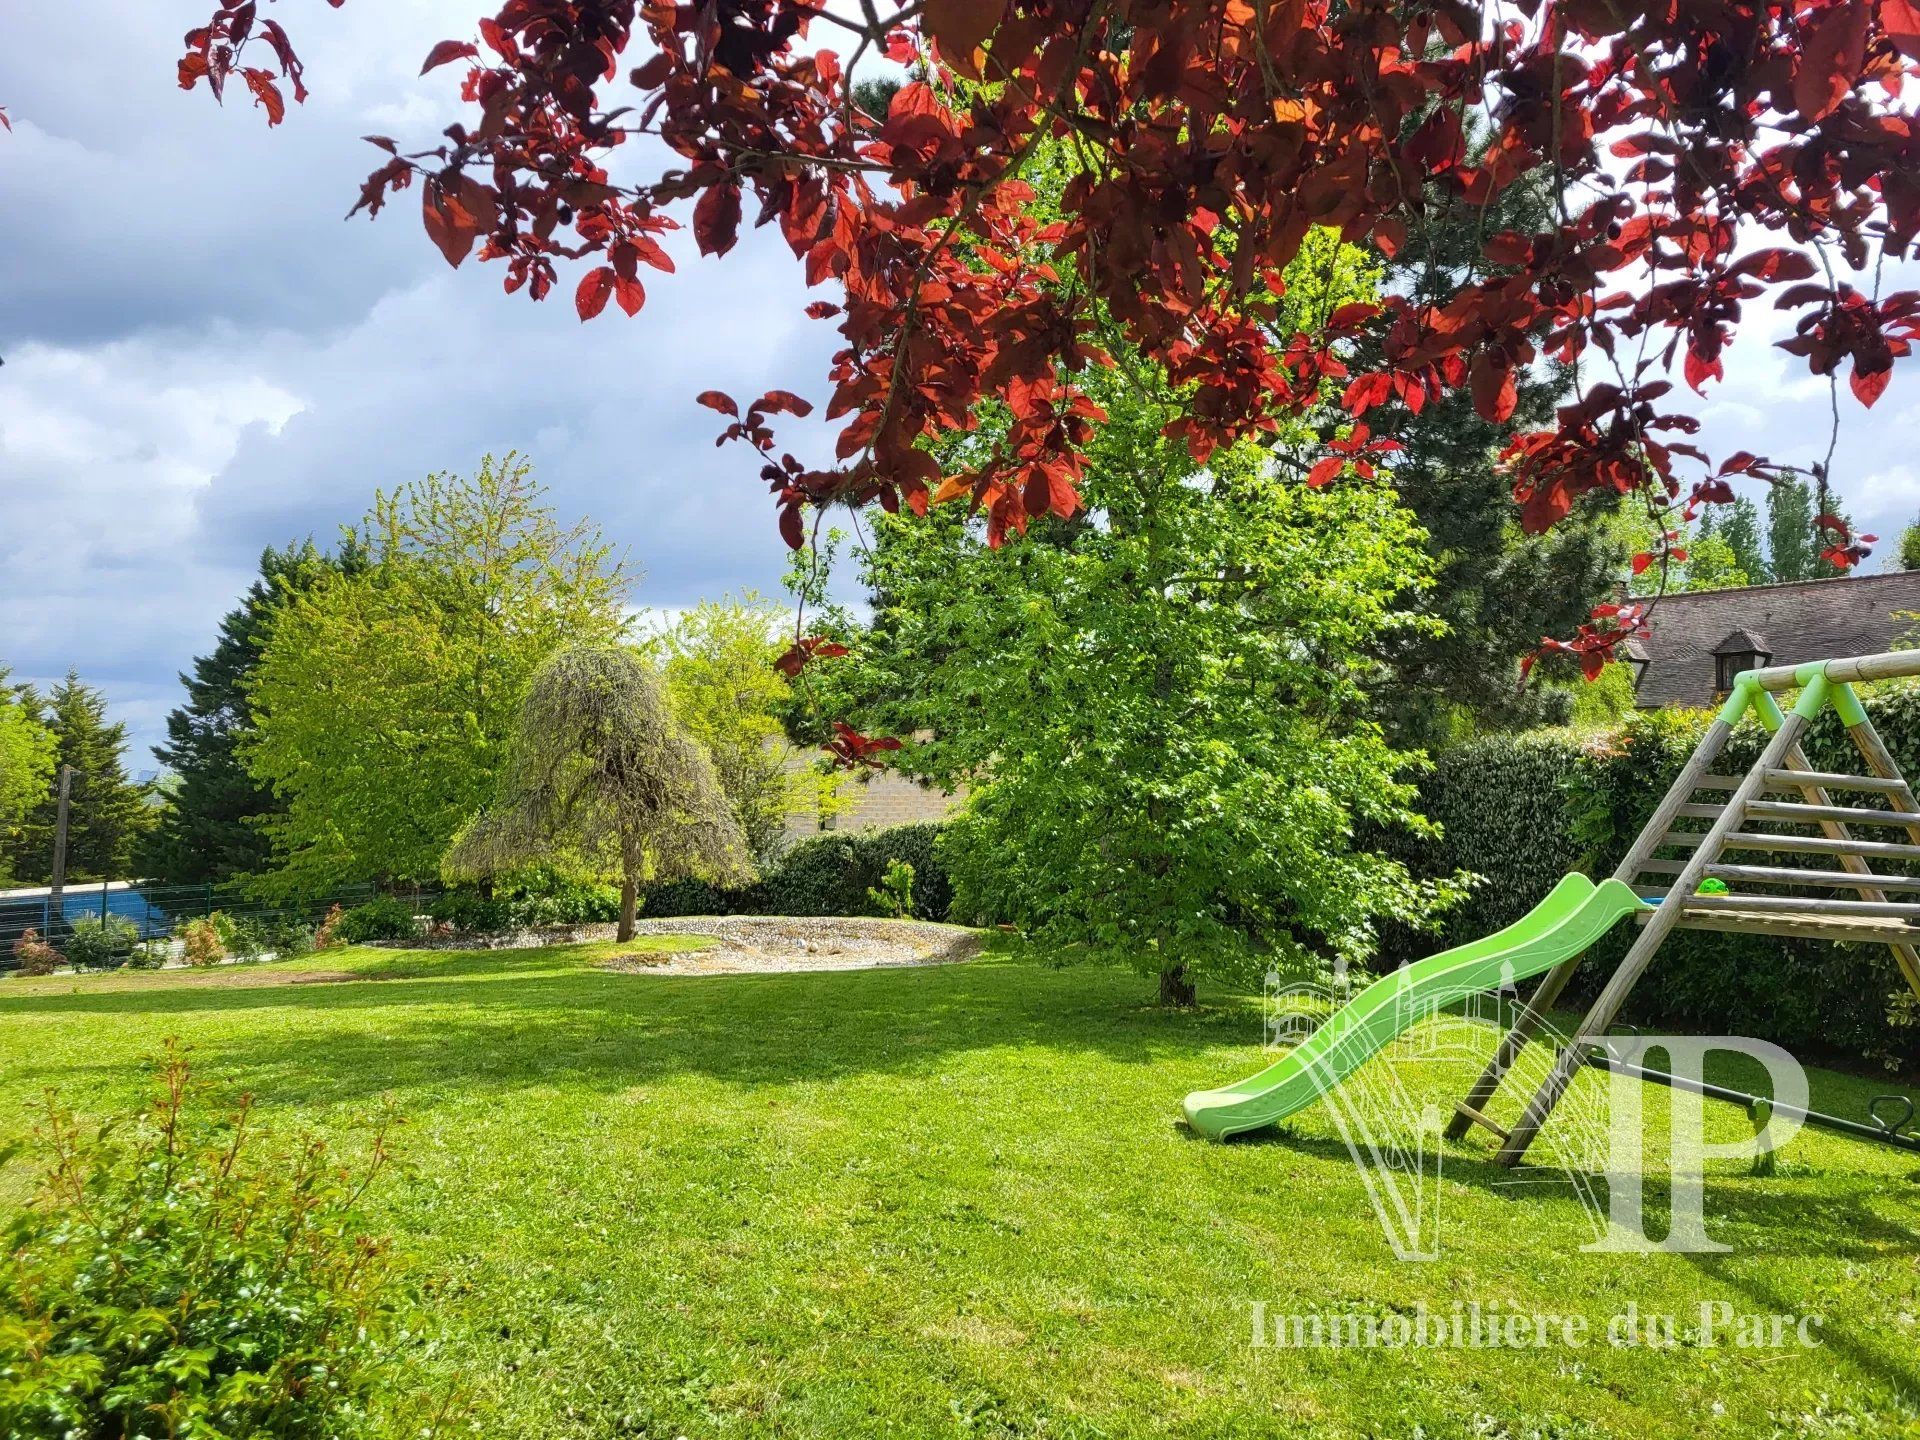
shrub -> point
(149, 955)
(468, 912)
(177, 1277)
(328, 935)
(286, 935)
(892, 898)
(701, 897)
(201, 943)
(33, 956)
(101, 943)
(385, 918)
(916, 846)
(826, 875)
(242, 937)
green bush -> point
(892, 898)
(101, 943)
(700, 897)
(285, 935)
(174, 1277)
(832, 874)
(387, 918)
(32, 956)
(468, 912)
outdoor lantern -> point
(1741, 651)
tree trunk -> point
(629, 903)
(1176, 987)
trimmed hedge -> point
(1522, 810)
(826, 874)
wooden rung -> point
(1664, 867)
(1821, 845)
(1681, 840)
(1787, 904)
(1717, 782)
(1807, 814)
(1828, 780)
(1821, 879)
(1863, 931)
(1481, 1120)
(1701, 812)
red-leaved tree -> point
(1713, 155)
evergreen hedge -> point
(1520, 811)
(826, 874)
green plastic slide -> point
(1575, 914)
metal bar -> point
(1653, 835)
(1831, 780)
(1606, 1008)
(1863, 1130)
(1788, 810)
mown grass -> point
(955, 1201)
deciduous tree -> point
(601, 775)
(26, 767)
(384, 697)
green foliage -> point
(101, 943)
(176, 1277)
(831, 874)
(1907, 556)
(26, 769)
(109, 813)
(1739, 526)
(386, 918)
(717, 663)
(210, 829)
(1792, 542)
(385, 695)
(892, 898)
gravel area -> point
(755, 945)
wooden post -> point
(56, 899)
(1556, 979)
(1658, 927)
(1881, 762)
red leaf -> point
(1901, 20)
(451, 223)
(596, 288)
(961, 27)
(1641, 562)
(718, 400)
(1869, 384)
(1836, 48)
(716, 219)
(448, 50)
(776, 402)
(267, 95)
(1700, 370)
(629, 293)
(1494, 393)
(1326, 471)
(793, 526)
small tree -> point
(602, 774)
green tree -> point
(26, 767)
(1907, 557)
(718, 665)
(1740, 528)
(1495, 589)
(108, 811)
(601, 776)
(1790, 547)
(384, 696)
(1158, 706)
(211, 827)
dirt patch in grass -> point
(772, 945)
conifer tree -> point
(108, 811)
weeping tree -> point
(600, 775)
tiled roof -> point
(1806, 620)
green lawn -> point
(955, 1202)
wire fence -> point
(154, 911)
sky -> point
(203, 357)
